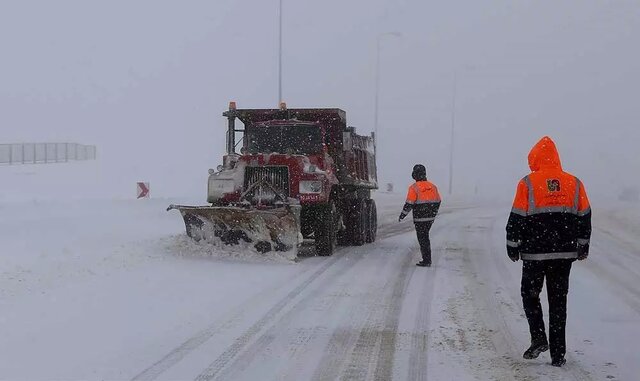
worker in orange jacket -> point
(549, 228)
(424, 200)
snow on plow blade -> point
(268, 229)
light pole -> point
(377, 74)
(464, 69)
(377, 90)
(280, 53)
(453, 126)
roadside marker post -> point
(143, 190)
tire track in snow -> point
(616, 252)
(177, 354)
(620, 281)
(389, 231)
(419, 342)
(231, 352)
(370, 338)
(385, 339)
(343, 343)
(478, 252)
(419, 357)
(343, 339)
(389, 334)
(398, 228)
(280, 327)
(614, 234)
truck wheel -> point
(345, 235)
(344, 238)
(372, 228)
(325, 231)
(359, 223)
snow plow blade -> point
(267, 229)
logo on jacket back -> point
(553, 185)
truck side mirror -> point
(347, 142)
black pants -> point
(422, 230)
(557, 273)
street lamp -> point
(377, 90)
(453, 125)
(280, 53)
(377, 74)
(464, 69)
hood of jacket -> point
(424, 185)
(544, 155)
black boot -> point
(560, 361)
(423, 264)
(535, 349)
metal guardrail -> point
(40, 153)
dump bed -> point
(358, 165)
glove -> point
(583, 252)
(513, 253)
(401, 217)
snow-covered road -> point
(112, 290)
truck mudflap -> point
(276, 228)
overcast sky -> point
(146, 81)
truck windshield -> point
(284, 139)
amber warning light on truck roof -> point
(283, 106)
(232, 105)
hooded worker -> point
(549, 228)
(424, 200)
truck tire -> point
(325, 231)
(372, 226)
(345, 236)
(359, 223)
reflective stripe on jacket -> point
(551, 214)
(424, 200)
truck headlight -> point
(310, 186)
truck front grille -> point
(277, 176)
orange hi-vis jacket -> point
(423, 198)
(551, 214)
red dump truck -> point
(300, 173)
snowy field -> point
(95, 285)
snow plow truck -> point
(300, 174)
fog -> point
(147, 81)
